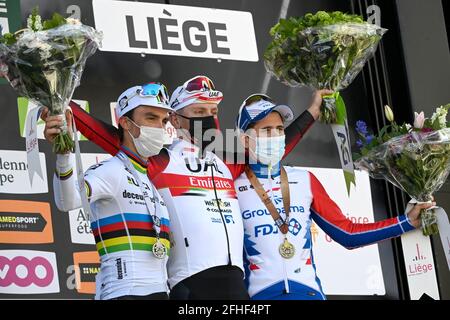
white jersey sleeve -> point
(65, 184)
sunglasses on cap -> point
(256, 98)
(199, 83)
(152, 89)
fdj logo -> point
(294, 226)
(266, 229)
(9, 271)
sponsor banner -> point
(343, 271)
(14, 173)
(25, 222)
(24, 106)
(87, 265)
(28, 272)
(80, 230)
(175, 30)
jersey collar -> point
(135, 159)
(262, 170)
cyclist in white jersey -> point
(278, 246)
(129, 219)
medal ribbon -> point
(283, 225)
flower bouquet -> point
(414, 158)
(44, 62)
(325, 50)
(321, 51)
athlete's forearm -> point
(65, 186)
(327, 214)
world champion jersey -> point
(268, 274)
(121, 224)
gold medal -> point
(286, 249)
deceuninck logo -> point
(87, 265)
(25, 222)
(14, 173)
(24, 106)
(28, 272)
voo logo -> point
(28, 272)
(24, 272)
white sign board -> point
(14, 173)
(155, 28)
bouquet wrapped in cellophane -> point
(44, 62)
(415, 158)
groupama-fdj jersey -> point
(268, 274)
(121, 224)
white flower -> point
(44, 50)
(441, 116)
(36, 25)
(39, 44)
(73, 21)
(419, 120)
(389, 114)
(408, 127)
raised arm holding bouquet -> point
(324, 51)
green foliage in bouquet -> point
(321, 51)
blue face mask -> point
(269, 150)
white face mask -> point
(269, 150)
(150, 140)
